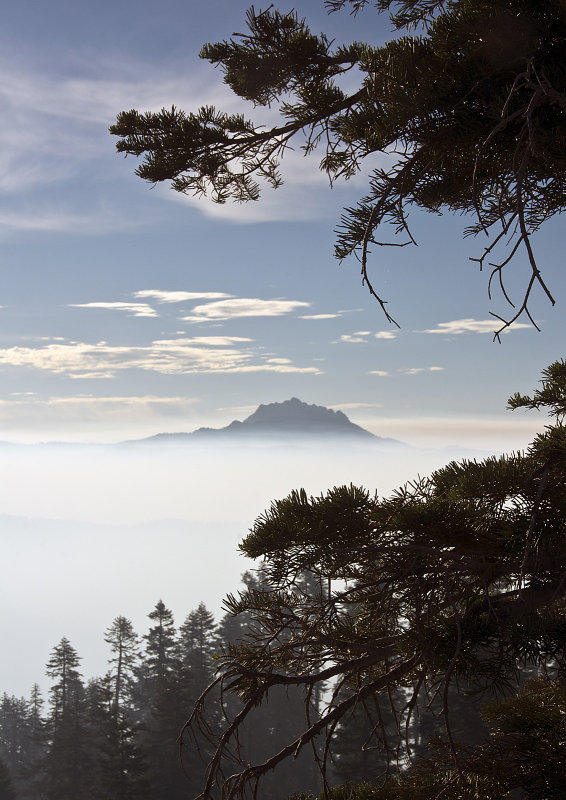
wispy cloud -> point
(133, 309)
(59, 128)
(470, 325)
(303, 196)
(87, 406)
(342, 406)
(164, 296)
(243, 307)
(381, 372)
(238, 409)
(416, 370)
(319, 316)
(359, 337)
(201, 354)
(59, 119)
(61, 219)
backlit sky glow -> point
(127, 310)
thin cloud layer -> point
(58, 127)
(91, 407)
(359, 337)
(243, 307)
(162, 296)
(470, 325)
(132, 309)
(319, 316)
(342, 406)
(202, 354)
(416, 370)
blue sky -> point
(128, 310)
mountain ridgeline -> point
(289, 420)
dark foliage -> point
(454, 587)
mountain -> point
(289, 419)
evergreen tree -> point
(69, 754)
(455, 582)
(13, 723)
(7, 791)
(124, 644)
(160, 659)
(271, 725)
(118, 766)
(472, 110)
(197, 644)
(123, 765)
(362, 745)
(63, 665)
(162, 711)
(29, 787)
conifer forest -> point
(115, 736)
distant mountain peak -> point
(301, 417)
(293, 419)
(289, 419)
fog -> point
(91, 532)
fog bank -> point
(92, 532)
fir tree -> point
(124, 644)
(455, 582)
(197, 645)
(35, 748)
(118, 770)
(472, 110)
(160, 659)
(7, 791)
(13, 724)
(69, 753)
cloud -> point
(416, 370)
(382, 373)
(178, 296)
(54, 220)
(242, 307)
(304, 194)
(133, 309)
(201, 354)
(59, 115)
(470, 325)
(356, 405)
(385, 335)
(88, 406)
(319, 316)
(87, 416)
(355, 338)
(237, 409)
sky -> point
(129, 310)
